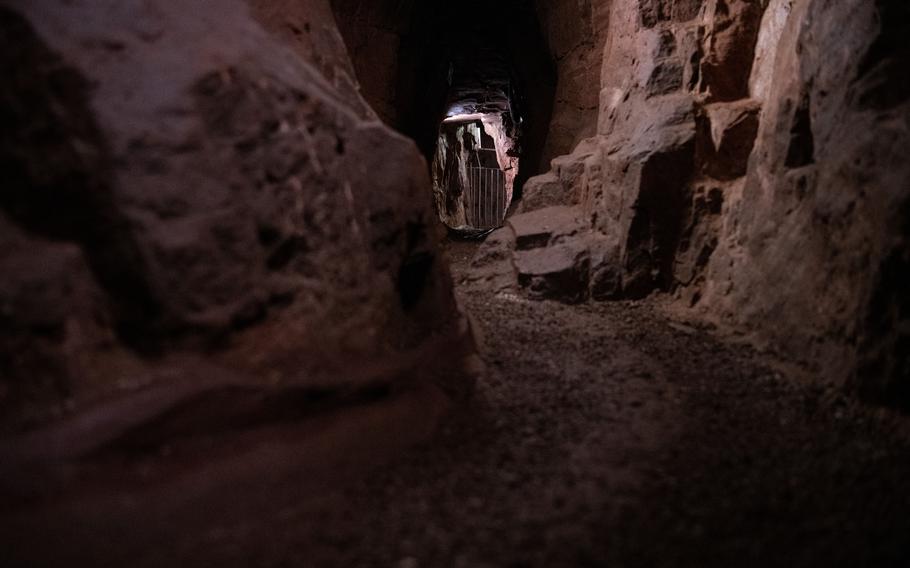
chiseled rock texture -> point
(182, 181)
(575, 31)
(813, 251)
(749, 159)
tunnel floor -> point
(602, 435)
(607, 435)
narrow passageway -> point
(602, 434)
(474, 284)
(611, 435)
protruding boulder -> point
(566, 182)
(726, 136)
(559, 272)
(213, 184)
(492, 264)
(545, 226)
(545, 190)
(666, 77)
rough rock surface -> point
(823, 212)
(545, 227)
(604, 434)
(494, 264)
(558, 272)
(204, 183)
(747, 159)
(576, 33)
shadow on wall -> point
(884, 66)
(883, 370)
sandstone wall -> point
(373, 34)
(193, 182)
(747, 159)
(814, 249)
(575, 32)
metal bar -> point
(492, 199)
(498, 197)
(469, 213)
(479, 197)
(498, 205)
(486, 220)
(502, 198)
(496, 218)
(473, 199)
(480, 211)
(485, 197)
(489, 218)
(499, 200)
(486, 208)
(480, 183)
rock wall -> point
(747, 160)
(373, 33)
(575, 32)
(188, 183)
(815, 247)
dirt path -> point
(603, 435)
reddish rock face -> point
(576, 33)
(726, 137)
(734, 165)
(206, 184)
(743, 155)
(730, 48)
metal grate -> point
(485, 198)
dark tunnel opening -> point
(470, 58)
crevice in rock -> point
(801, 151)
(882, 74)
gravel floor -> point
(602, 435)
(605, 435)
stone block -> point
(726, 137)
(559, 272)
(545, 226)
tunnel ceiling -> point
(479, 72)
(419, 61)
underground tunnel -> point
(456, 63)
(418, 283)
